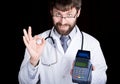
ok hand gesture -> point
(34, 48)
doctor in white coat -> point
(46, 62)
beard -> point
(64, 29)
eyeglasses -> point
(58, 15)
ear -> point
(51, 12)
(78, 13)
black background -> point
(100, 18)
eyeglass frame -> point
(60, 16)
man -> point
(48, 61)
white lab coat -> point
(59, 73)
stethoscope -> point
(50, 37)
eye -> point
(69, 15)
(57, 15)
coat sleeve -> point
(98, 60)
(28, 74)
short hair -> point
(65, 5)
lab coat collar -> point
(76, 39)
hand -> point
(72, 68)
(34, 49)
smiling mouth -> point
(63, 26)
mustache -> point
(59, 24)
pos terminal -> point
(82, 69)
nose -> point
(63, 20)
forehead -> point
(67, 11)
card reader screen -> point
(81, 64)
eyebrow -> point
(70, 11)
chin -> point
(64, 32)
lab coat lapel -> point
(57, 42)
(75, 44)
